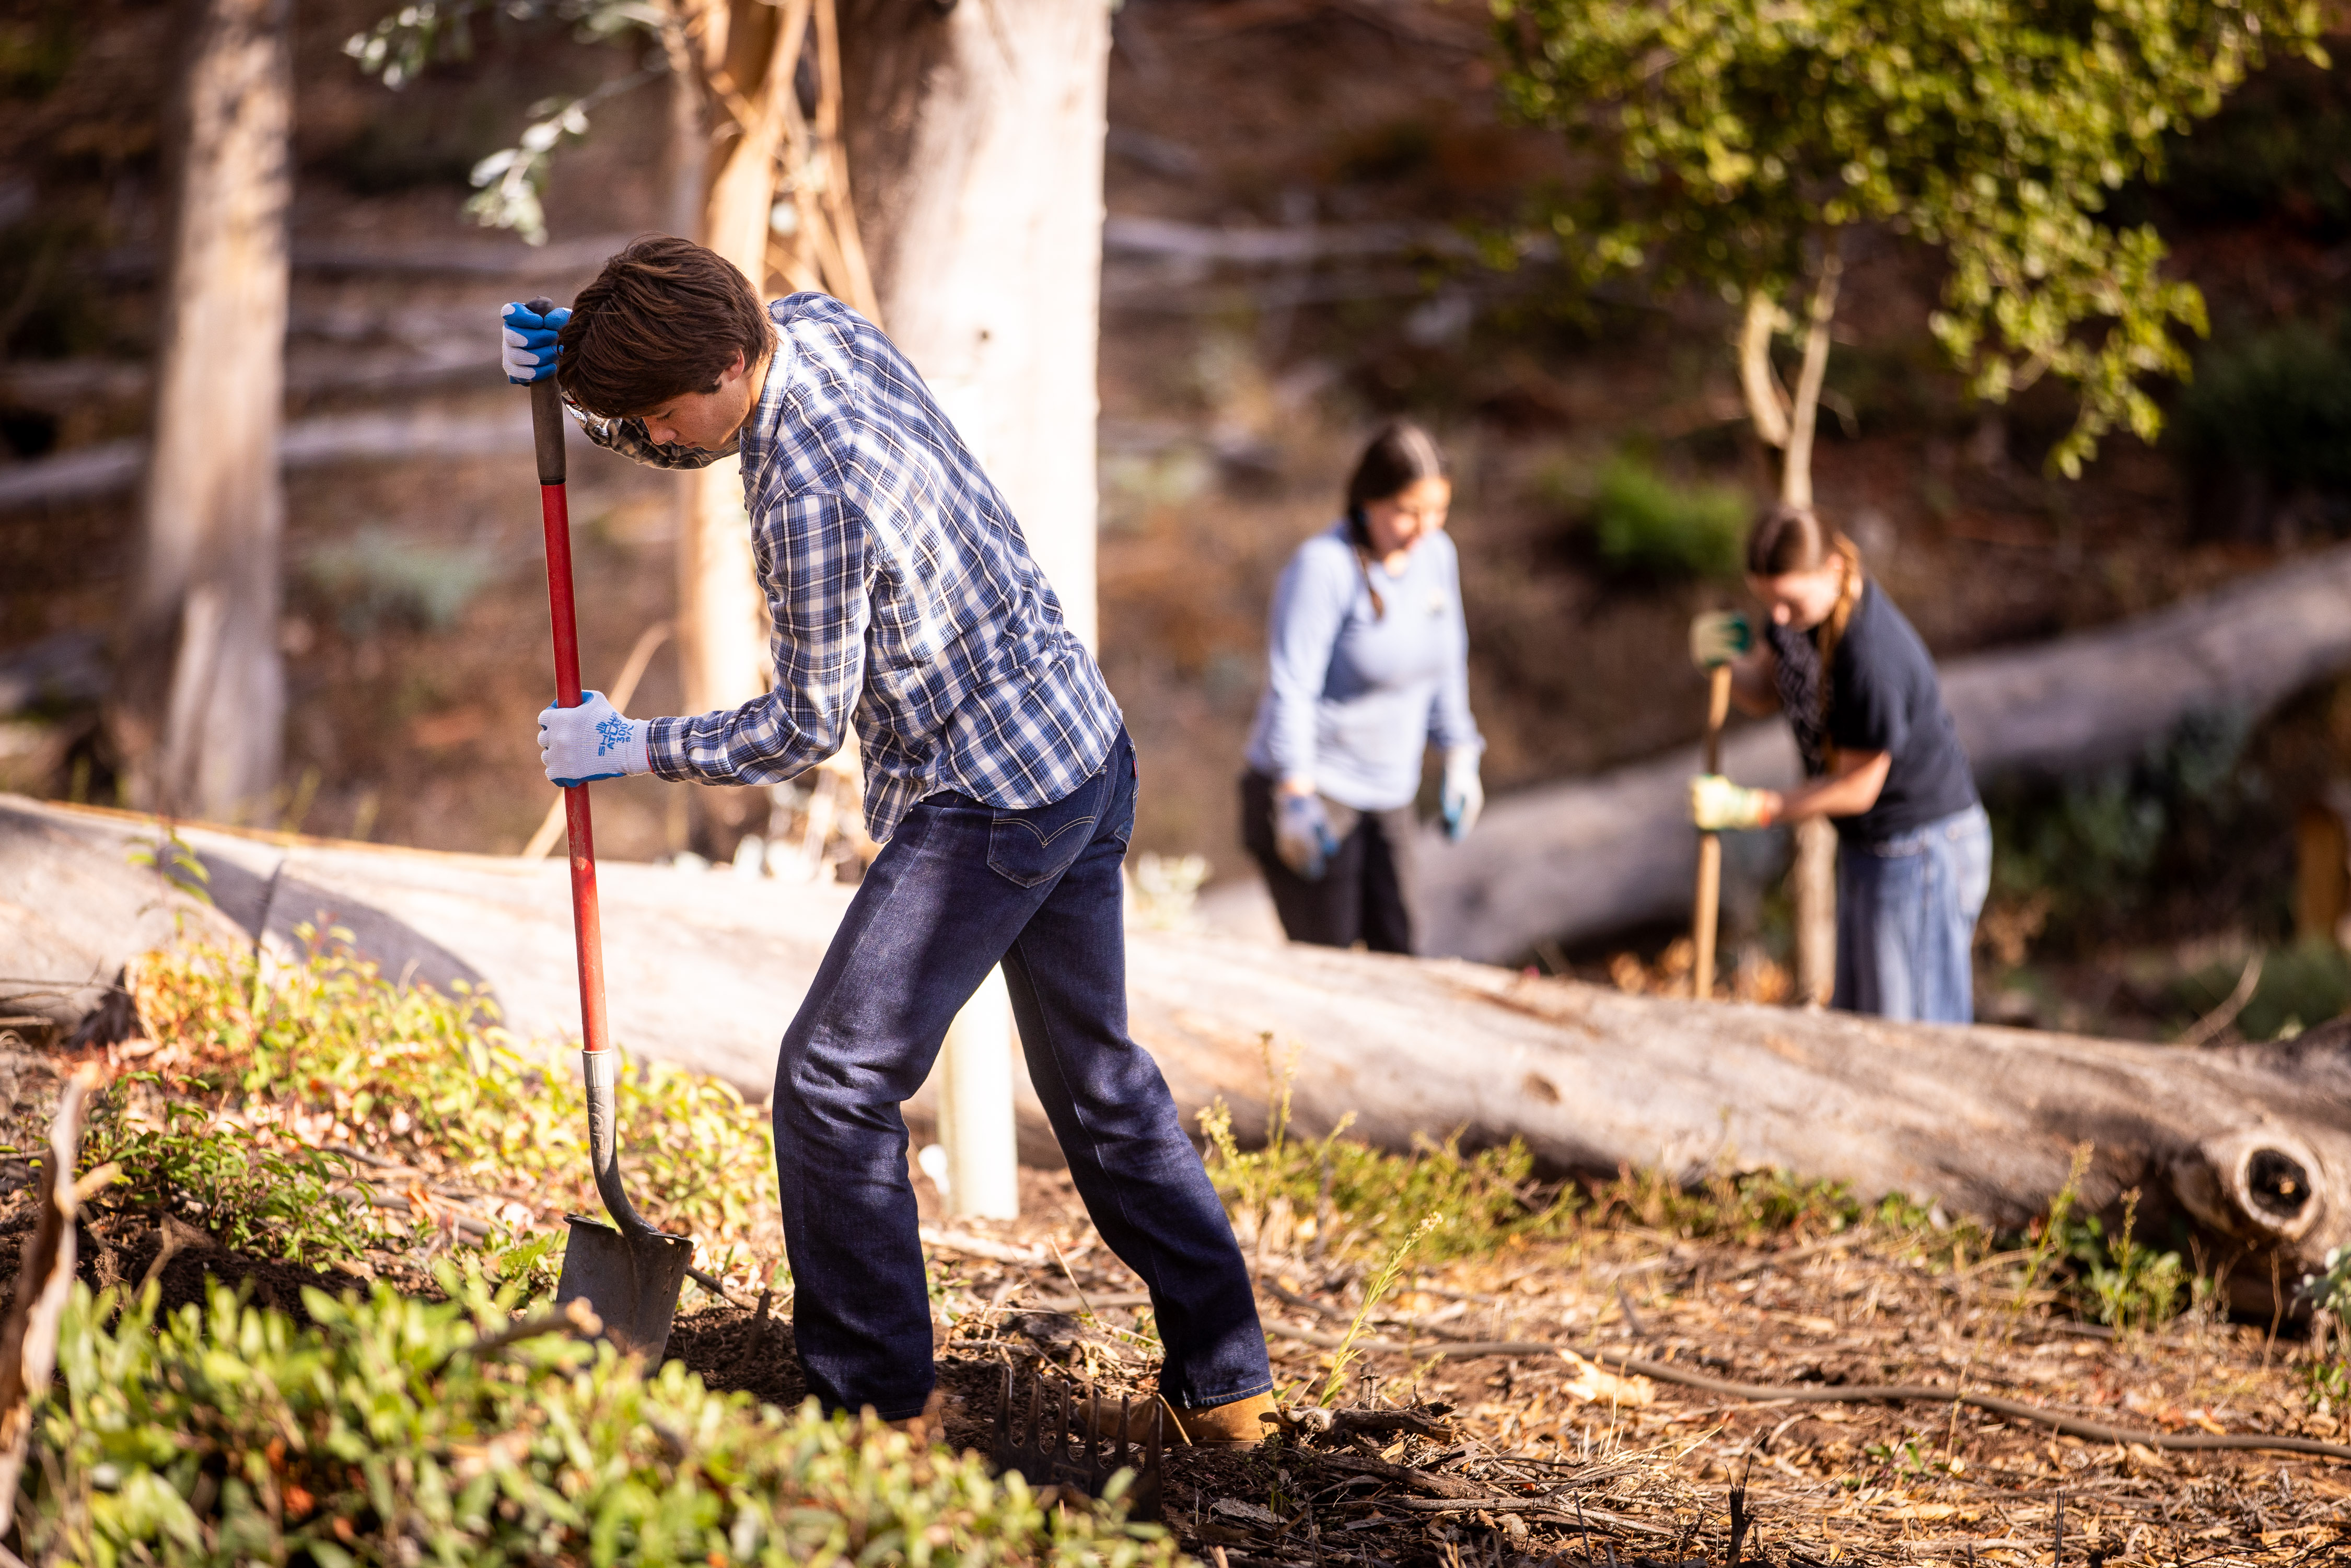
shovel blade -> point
(630, 1282)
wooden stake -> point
(1710, 845)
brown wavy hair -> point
(1788, 539)
(665, 317)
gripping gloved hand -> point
(1717, 804)
(1718, 637)
(1301, 833)
(1463, 796)
(527, 342)
(581, 745)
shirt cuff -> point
(665, 750)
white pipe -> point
(976, 1126)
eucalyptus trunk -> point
(978, 142)
(200, 710)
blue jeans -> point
(961, 887)
(1907, 911)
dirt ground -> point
(1472, 1428)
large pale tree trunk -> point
(2248, 1148)
(744, 56)
(202, 703)
(977, 140)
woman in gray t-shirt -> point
(1367, 664)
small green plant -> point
(1644, 522)
(171, 858)
(2048, 1232)
(1382, 1283)
(2122, 1282)
(396, 1430)
(296, 1203)
(1364, 1200)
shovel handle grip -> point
(545, 413)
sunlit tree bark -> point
(201, 709)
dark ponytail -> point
(1397, 458)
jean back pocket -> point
(1034, 845)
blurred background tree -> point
(1746, 141)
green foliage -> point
(2305, 984)
(1367, 1201)
(509, 182)
(1374, 1294)
(2160, 839)
(2277, 404)
(377, 576)
(171, 858)
(329, 1050)
(1644, 522)
(1747, 135)
(293, 1204)
(2118, 1280)
(222, 1435)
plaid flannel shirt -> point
(902, 596)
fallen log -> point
(2249, 1147)
(1583, 859)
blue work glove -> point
(581, 745)
(1301, 833)
(1463, 796)
(528, 342)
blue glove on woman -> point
(526, 340)
(1301, 833)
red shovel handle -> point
(587, 931)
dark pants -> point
(1362, 894)
(960, 887)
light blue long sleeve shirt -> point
(1352, 697)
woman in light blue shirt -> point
(1368, 663)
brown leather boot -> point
(1233, 1426)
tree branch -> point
(1796, 470)
(1767, 401)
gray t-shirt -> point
(1352, 697)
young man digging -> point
(999, 778)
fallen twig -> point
(1921, 1394)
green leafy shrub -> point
(293, 1204)
(392, 1432)
(2118, 1280)
(1642, 521)
(328, 1051)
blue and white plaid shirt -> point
(903, 595)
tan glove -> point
(1717, 805)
